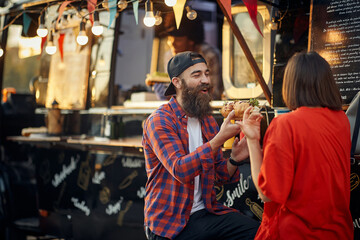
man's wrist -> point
(235, 163)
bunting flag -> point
(43, 41)
(251, 6)
(178, 11)
(26, 23)
(227, 6)
(61, 45)
(113, 10)
(91, 4)
(136, 11)
(61, 10)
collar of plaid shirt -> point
(171, 170)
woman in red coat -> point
(303, 172)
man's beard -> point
(196, 103)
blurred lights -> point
(97, 29)
(273, 25)
(50, 47)
(191, 13)
(170, 3)
(122, 4)
(149, 19)
(158, 18)
(82, 38)
(42, 30)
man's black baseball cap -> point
(178, 64)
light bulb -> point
(158, 19)
(97, 29)
(273, 25)
(50, 48)
(149, 19)
(42, 31)
(122, 4)
(82, 38)
(1, 52)
(170, 3)
(105, 4)
(191, 13)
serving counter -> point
(92, 187)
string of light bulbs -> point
(150, 19)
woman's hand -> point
(250, 125)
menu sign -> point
(335, 35)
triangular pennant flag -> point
(113, 10)
(61, 45)
(43, 41)
(136, 11)
(227, 6)
(91, 4)
(251, 6)
(178, 11)
(61, 10)
(26, 23)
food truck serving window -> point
(239, 79)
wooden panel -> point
(68, 79)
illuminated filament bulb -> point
(42, 30)
(122, 4)
(273, 25)
(50, 47)
(158, 18)
(191, 13)
(82, 38)
(170, 3)
(97, 29)
(1, 52)
(149, 19)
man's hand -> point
(227, 130)
(239, 150)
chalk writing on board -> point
(141, 192)
(242, 186)
(114, 208)
(81, 205)
(335, 32)
(66, 170)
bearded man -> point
(183, 158)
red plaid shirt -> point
(171, 170)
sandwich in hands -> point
(239, 107)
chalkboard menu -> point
(335, 35)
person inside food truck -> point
(190, 37)
(303, 172)
(184, 161)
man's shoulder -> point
(164, 110)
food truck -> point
(77, 84)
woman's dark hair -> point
(308, 81)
